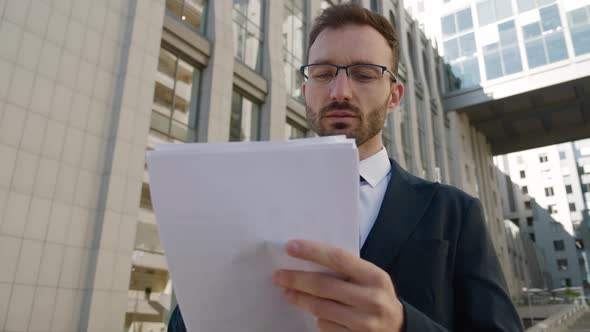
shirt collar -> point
(375, 168)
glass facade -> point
(244, 121)
(579, 24)
(176, 97)
(490, 11)
(460, 48)
(192, 13)
(294, 34)
(502, 57)
(544, 39)
(248, 33)
(525, 5)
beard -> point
(369, 125)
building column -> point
(112, 235)
(217, 86)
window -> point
(248, 34)
(579, 243)
(572, 207)
(562, 264)
(527, 205)
(460, 49)
(561, 155)
(294, 44)
(522, 174)
(525, 190)
(532, 236)
(244, 121)
(176, 94)
(502, 55)
(549, 192)
(543, 158)
(490, 11)
(568, 189)
(524, 5)
(558, 245)
(552, 209)
(544, 41)
(566, 282)
(579, 22)
(585, 187)
(457, 22)
(529, 221)
(189, 12)
(293, 130)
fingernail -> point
(292, 247)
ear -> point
(396, 95)
(303, 89)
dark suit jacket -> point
(432, 240)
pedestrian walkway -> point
(582, 324)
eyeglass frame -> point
(384, 69)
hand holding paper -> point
(360, 298)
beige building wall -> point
(76, 84)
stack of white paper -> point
(225, 212)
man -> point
(427, 262)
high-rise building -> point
(87, 86)
(549, 200)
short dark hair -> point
(337, 16)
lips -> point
(340, 114)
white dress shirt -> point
(376, 171)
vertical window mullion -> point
(173, 101)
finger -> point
(337, 260)
(327, 326)
(326, 309)
(324, 286)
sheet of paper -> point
(225, 214)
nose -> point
(340, 87)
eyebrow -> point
(357, 62)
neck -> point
(370, 147)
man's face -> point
(344, 106)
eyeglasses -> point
(361, 73)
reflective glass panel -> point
(189, 12)
(451, 48)
(244, 119)
(493, 64)
(524, 5)
(503, 9)
(464, 20)
(535, 52)
(485, 12)
(556, 47)
(550, 19)
(471, 72)
(467, 43)
(507, 31)
(512, 62)
(448, 25)
(531, 30)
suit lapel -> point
(402, 209)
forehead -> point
(350, 44)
